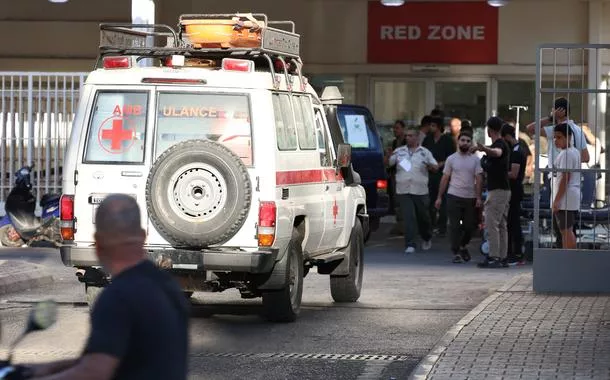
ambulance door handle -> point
(131, 174)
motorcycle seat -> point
(49, 198)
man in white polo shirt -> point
(412, 165)
(464, 176)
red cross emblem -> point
(116, 135)
(335, 212)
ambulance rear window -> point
(224, 118)
(117, 128)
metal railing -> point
(36, 114)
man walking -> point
(139, 324)
(442, 146)
(515, 176)
(496, 164)
(412, 165)
(464, 176)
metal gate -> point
(572, 71)
(36, 114)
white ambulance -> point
(241, 181)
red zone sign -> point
(458, 32)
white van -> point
(240, 181)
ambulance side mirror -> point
(344, 156)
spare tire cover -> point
(198, 194)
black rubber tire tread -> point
(277, 304)
(214, 231)
(347, 288)
(6, 242)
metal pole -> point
(518, 108)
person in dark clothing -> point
(139, 323)
(496, 163)
(442, 146)
(515, 176)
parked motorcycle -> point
(42, 316)
(20, 226)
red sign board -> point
(433, 32)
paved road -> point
(407, 304)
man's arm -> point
(443, 186)
(531, 127)
(514, 171)
(91, 367)
(491, 152)
(584, 155)
(431, 163)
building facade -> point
(466, 57)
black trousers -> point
(515, 235)
(461, 212)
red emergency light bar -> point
(117, 62)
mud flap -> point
(343, 268)
(277, 278)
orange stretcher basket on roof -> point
(239, 31)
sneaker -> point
(515, 261)
(426, 245)
(457, 259)
(493, 262)
(465, 254)
(409, 250)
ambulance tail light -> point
(117, 62)
(232, 64)
(382, 184)
(266, 224)
(66, 217)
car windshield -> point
(357, 128)
(224, 118)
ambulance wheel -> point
(284, 305)
(347, 288)
(198, 194)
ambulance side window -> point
(321, 136)
(304, 118)
(284, 122)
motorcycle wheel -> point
(5, 232)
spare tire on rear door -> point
(198, 194)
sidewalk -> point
(518, 334)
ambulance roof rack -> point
(160, 40)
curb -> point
(425, 366)
(33, 277)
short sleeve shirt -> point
(463, 168)
(577, 141)
(411, 169)
(497, 176)
(568, 159)
(141, 318)
(518, 157)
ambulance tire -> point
(284, 305)
(347, 288)
(209, 170)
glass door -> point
(400, 99)
(465, 100)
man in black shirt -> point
(139, 324)
(442, 146)
(516, 174)
(496, 164)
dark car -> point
(358, 128)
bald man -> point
(139, 324)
